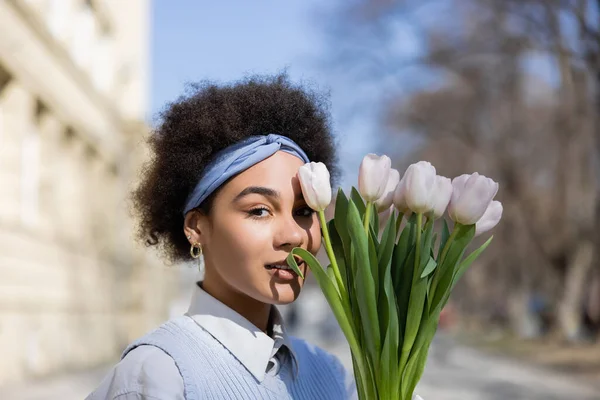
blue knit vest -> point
(210, 371)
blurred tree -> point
(509, 89)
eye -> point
(305, 212)
(258, 212)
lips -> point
(284, 265)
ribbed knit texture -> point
(210, 371)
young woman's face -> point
(257, 218)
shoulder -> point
(146, 372)
(322, 362)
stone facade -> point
(74, 286)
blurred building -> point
(74, 286)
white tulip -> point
(373, 176)
(387, 198)
(443, 192)
(419, 187)
(471, 196)
(316, 187)
(400, 198)
(490, 218)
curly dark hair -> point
(208, 118)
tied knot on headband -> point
(236, 158)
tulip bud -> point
(471, 196)
(387, 198)
(400, 198)
(490, 218)
(314, 180)
(373, 176)
(443, 192)
(419, 187)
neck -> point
(258, 313)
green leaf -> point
(331, 275)
(373, 236)
(327, 286)
(449, 265)
(389, 355)
(384, 258)
(374, 265)
(340, 222)
(429, 268)
(333, 298)
(402, 251)
(416, 302)
(426, 242)
(416, 364)
(445, 236)
(364, 282)
(358, 202)
(340, 255)
(462, 268)
(403, 261)
(386, 247)
(415, 310)
(375, 222)
(341, 213)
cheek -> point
(241, 242)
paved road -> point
(458, 373)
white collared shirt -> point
(258, 352)
(148, 372)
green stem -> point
(331, 255)
(367, 220)
(418, 251)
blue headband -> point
(237, 158)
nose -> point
(289, 233)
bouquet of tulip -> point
(388, 286)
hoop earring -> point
(196, 250)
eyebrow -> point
(263, 191)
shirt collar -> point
(250, 345)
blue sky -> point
(223, 41)
(193, 40)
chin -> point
(284, 293)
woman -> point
(222, 184)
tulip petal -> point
(471, 197)
(443, 191)
(490, 218)
(400, 198)
(387, 198)
(458, 185)
(315, 183)
(373, 176)
(419, 186)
